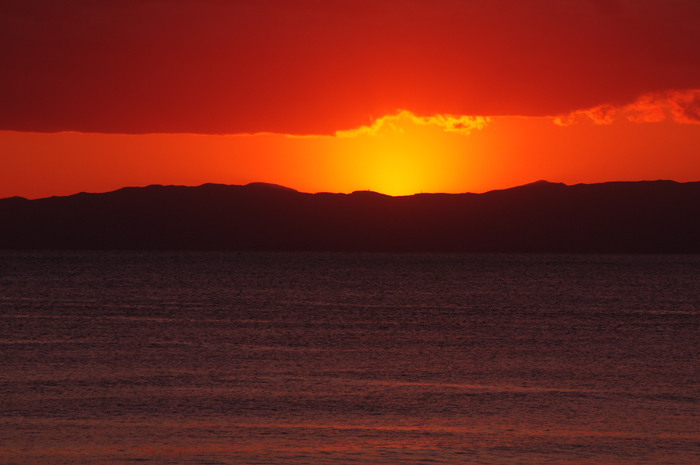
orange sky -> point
(95, 96)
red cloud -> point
(310, 67)
(682, 106)
(685, 106)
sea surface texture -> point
(282, 358)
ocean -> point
(331, 358)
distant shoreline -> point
(614, 217)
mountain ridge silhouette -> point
(614, 217)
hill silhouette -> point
(615, 217)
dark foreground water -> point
(210, 358)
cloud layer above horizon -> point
(314, 67)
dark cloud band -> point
(312, 67)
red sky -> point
(394, 96)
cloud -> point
(685, 106)
(396, 123)
(451, 123)
(601, 114)
(682, 106)
(310, 67)
(650, 108)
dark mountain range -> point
(625, 217)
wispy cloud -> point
(682, 106)
(396, 123)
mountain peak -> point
(269, 187)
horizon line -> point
(283, 187)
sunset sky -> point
(395, 96)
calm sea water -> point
(252, 358)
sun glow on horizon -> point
(399, 154)
(404, 154)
